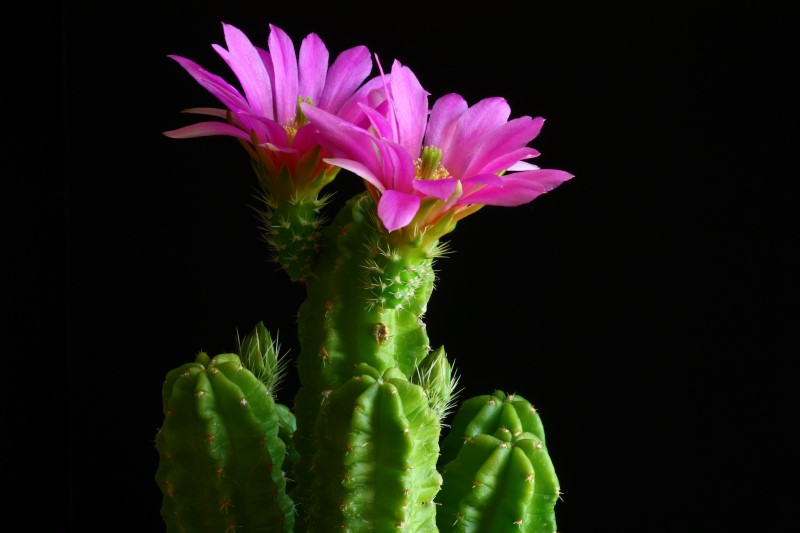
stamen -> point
(297, 121)
(429, 166)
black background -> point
(642, 307)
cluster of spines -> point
(292, 229)
(392, 279)
(220, 455)
(435, 376)
(497, 472)
(261, 354)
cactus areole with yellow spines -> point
(361, 446)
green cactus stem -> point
(365, 300)
(497, 473)
(220, 458)
(365, 303)
(486, 414)
(376, 461)
(291, 211)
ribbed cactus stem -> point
(220, 458)
(375, 463)
(365, 303)
(497, 472)
(500, 482)
(485, 414)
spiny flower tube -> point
(429, 169)
(265, 117)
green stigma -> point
(429, 166)
(298, 120)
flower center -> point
(429, 166)
(297, 121)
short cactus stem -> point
(220, 457)
(486, 414)
(375, 464)
(496, 469)
(499, 482)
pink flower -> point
(427, 170)
(265, 116)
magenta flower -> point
(265, 115)
(427, 170)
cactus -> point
(220, 457)
(496, 469)
(362, 446)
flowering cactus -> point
(361, 448)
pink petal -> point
(397, 209)
(284, 61)
(276, 148)
(348, 71)
(505, 161)
(341, 138)
(382, 127)
(442, 123)
(441, 189)
(503, 139)
(370, 94)
(472, 126)
(518, 188)
(206, 129)
(210, 111)
(410, 104)
(522, 165)
(246, 63)
(266, 58)
(483, 179)
(305, 139)
(358, 169)
(397, 167)
(226, 93)
(266, 129)
(313, 68)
